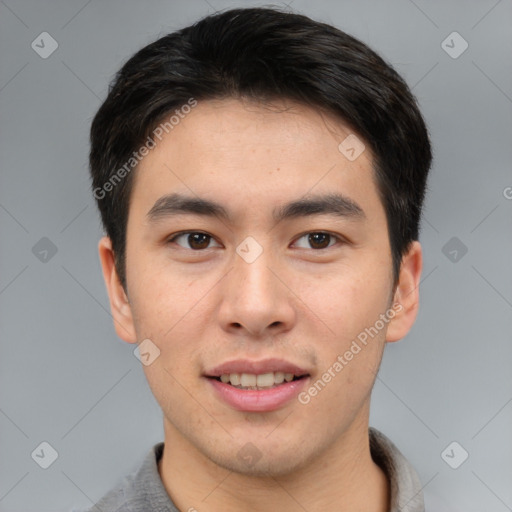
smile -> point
(257, 382)
(257, 386)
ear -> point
(119, 304)
(406, 296)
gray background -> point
(64, 376)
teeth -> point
(246, 380)
(265, 380)
(252, 381)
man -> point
(260, 178)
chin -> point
(249, 461)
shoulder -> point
(119, 499)
(140, 491)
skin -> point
(296, 302)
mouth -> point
(251, 381)
(257, 386)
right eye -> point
(196, 240)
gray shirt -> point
(143, 491)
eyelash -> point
(173, 238)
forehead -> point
(243, 154)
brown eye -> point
(194, 240)
(198, 240)
(317, 240)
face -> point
(257, 252)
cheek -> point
(163, 294)
(169, 317)
(166, 310)
(346, 301)
(351, 306)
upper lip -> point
(255, 367)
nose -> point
(255, 299)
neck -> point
(343, 478)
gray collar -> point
(406, 490)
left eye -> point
(318, 240)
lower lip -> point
(264, 400)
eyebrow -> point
(333, 204)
